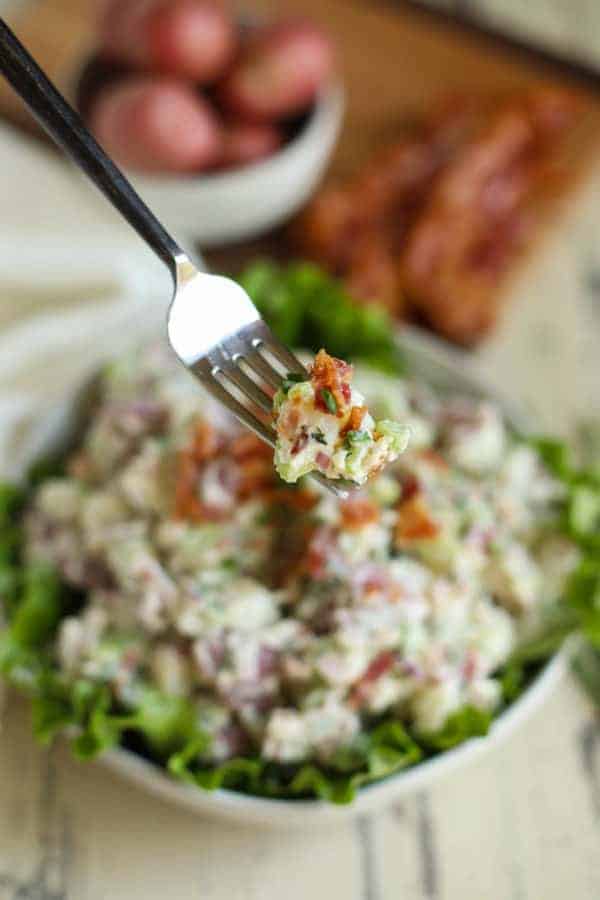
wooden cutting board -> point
(395, 61)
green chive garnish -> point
(329, 401)
(290, 380)
(356, 437)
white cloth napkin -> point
(76, 285)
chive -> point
(319, 436)
(329, 401)
(356, 437)
(290, 380)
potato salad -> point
(287, 620)
(324, 426)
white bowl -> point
(243, 809)
(232, 206)
(441, 366)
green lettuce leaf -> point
(377, 754)
(308, 308)
(462, 725)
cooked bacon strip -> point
(384, 195)
(476, 219)
(431, 225)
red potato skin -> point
(245, 143)
(192, 39)
(123, 31)
(279, 73)
(195, 40)
(157, 124)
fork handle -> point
(66, 127)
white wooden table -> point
(522, 823)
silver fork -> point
(213, 326)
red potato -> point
(192, 39)
(279, 73)
(157, 124)
(245, 142)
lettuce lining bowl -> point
(442, 370)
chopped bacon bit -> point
(434, 458)
(410, 487)
(382, 663)
(300, 442)
(300, 500)
(414, 521)
(320, 546)
(334, 375)
(187, 505)
(205, 443)
(358, 513)
(291, 419)
(357, 414)
(253, 470)
(470, 666)
(245, 445)
(322, 460)
(203, 447)
(256, 475)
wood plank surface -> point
(522, 823)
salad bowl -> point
(445, 370)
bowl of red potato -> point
(224, 127)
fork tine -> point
(285, 356)
(261, 367)
(262, 431)
(261, 336)
(203, 370)
(340, 488)
(239, 378)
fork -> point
(213, 327)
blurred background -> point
(324, 140)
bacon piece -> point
(358, 513)
(431, 225)
(248, 445)
(300, 500)
(333, 375)
(476, 217)
(433, 458)
(382, 663)
(323, 461)
(414, 522)
(319, 549)
(372, 274)
(357, 414)
(203, 447)
(252, 472)
(410, 487)
(300, 442)
(381, 198)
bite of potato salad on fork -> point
(323, 425)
